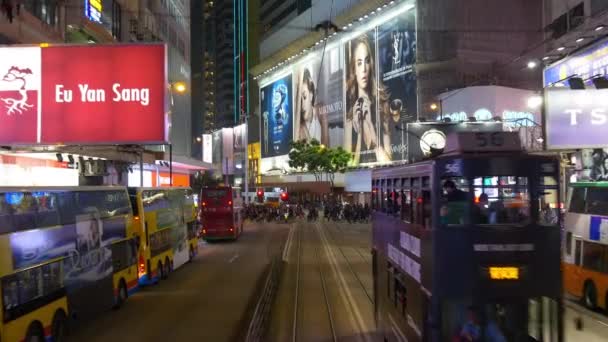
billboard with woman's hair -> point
(319, 103)
(365, 97)
(359, 94)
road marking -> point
(354, 312)
(288, 244)
(593, 316)
(233, 258)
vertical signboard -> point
(319, 104)
(363, 101)
(277, 107)
(397, 58)
(207, 148)
(227, 151)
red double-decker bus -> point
(221, 213)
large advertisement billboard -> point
(358, 93)
(277, 107)
(397, 58)
(93, 94)
(576, 118)
(319, 104)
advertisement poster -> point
(422, 137)
(227, 151)
(365, 97)
(207, 148)
(217, 148)
(277, 107)
(397, 57)
(319, 104)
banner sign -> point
(588, 63)
(93, 94)
(207, 148)
(277, 110)
(576, 118)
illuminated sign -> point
(503, 273)
(93, 9)
(83, 94)
(511, 118)
(586, 64)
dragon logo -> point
(19, 104)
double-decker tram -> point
(66, 253)
(466, 246)
(165, 224)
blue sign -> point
(585, 64)
(277, 117)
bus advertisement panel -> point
(70, 252)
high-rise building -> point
(274, 13)
(213, 63)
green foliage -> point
(314, 157)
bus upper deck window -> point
(501, 200)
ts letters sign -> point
(83, 94)
(576, 118)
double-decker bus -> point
(66, 253)
(221, 213)
(586, 244)
(165, 224)
(462, 249)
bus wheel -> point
(161, 270)
(122, 294)
(590, 295)
(59, 328)
(35, 333)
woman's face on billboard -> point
(306, 99)
(362, 66)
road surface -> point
(205, 300)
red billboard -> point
(91, 94)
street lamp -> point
(180, 87)
(434, 106)
(535, 101)
(532, 65)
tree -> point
(316, 158)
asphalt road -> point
(205, 300)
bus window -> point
(406, 205)
(597, 201)
(593, 256)
(501, 200)
(455, 200)
(577, 200)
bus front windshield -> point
(498, 200)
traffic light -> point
(284, 196)
(260, 195)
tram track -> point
(349, 264)
(306, 315)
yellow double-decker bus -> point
(165, 223)
(65, 254)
